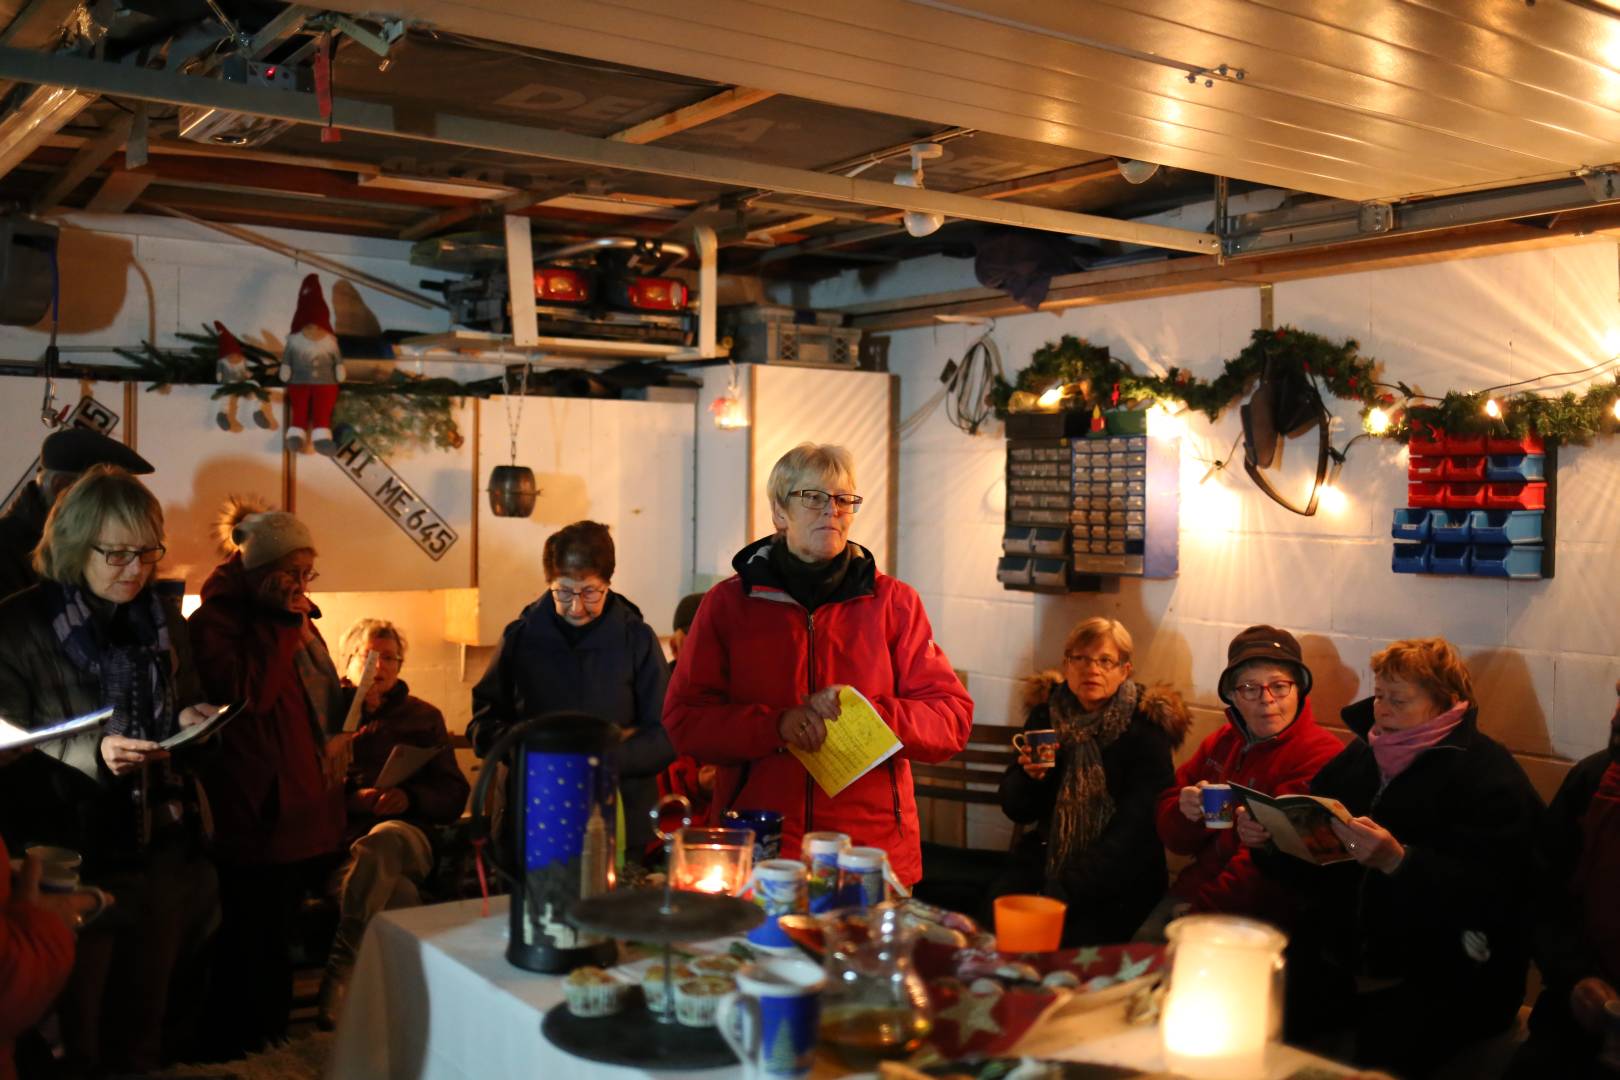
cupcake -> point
(716, 964)
(590, 991)
(697, 999)
(652, 985)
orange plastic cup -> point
(1028, 923)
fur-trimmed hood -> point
(1160, 704)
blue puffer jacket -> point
(615, 670)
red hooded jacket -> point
(1222, 876)
(267, 786)
(753, 652)
(36, 954)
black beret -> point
(73, 450)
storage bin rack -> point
(1477, 505)
(1081, 508)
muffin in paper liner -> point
(652, 985)
(715, 964)
(592, 992)
(697, 999)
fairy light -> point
(1616, 408)
(1052, 397)
(1377, 421)
(1493, 409)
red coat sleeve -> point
(699, 716)
(36, 955)
(930, 708)
(1180, 835)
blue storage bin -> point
(1507, 560)
(1507, 467)
(1506, 526)
(1410, 559)
(1449, 526)
(1411, 523)
(1450, 558)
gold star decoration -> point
(1088, 955)
(971, 1014)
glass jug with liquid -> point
(875, 1004)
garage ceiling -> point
(1359, 101)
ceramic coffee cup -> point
(780, 887)
(1041, 746)
(1219, 806)
(771, 1021)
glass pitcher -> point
(875, 1004)
(1224, 1004)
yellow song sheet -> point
(857, 742)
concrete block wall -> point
(1543, 654)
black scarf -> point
(135, 666)
(811, 584)
(1084, 807)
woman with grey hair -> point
(770, 649)
(390, 854)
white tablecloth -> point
(434, 998)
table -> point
(433, 998)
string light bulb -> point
(1377, 421)
(1493, 409)
(1052, 397)
(1331, 497)
(729, 410)
(1616, 408)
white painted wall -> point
(1543, 654)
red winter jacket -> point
(1222, 875)
(267, 785)
(754, 652)
(36, 954)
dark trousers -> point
(253, 969)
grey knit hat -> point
(264, 538)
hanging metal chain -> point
(514, 417)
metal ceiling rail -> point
(381, 119)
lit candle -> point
(712, 860)
(714, 882)
(1219, 1012)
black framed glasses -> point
(1249, 691)
(1101, 663)
(590, 594)
(125, 556)
(812, 499)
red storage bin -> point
(1426, 441)
(1464, 467)
(1465, 444)
(1462, 496)
(1425, 468)
(1516, 496)
(1425, 493)
(1516, 444)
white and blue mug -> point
(780, 887)
(771, 1021)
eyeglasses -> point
(565, 597)
(1101, 663)
(125, 556)
(303, 577)
(1251, 691)
(811, 499)
(389, 658)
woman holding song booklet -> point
(1416, 941)
(806, 615)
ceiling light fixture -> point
(1136, 172)
(918, 223)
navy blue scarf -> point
(136, 673)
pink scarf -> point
(1396, 750)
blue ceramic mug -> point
(771, 1021)
(1219, 806)
(767, 827)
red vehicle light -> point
(553, 283)
(657, 294)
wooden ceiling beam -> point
(694, 115)
(91, 156)
(119, 191)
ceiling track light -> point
(917, 222)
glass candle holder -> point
(1224, 1005)
(715, 861)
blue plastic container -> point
(1519, 561)
(1450, 558)
(1411, 523)
(1410, 559)
(1449, 526)
(1506, 467)
(1506, 526)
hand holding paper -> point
(857, 742)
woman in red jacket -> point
(1271, 743)
(36, 952)
(276, 783)
(807, 613)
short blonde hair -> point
(104, 493)
(1088, 632)
(357, 638)
(1432, 664)
(818, 463)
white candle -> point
(1218, 1014)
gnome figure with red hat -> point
(312, 368)
(237, 376)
